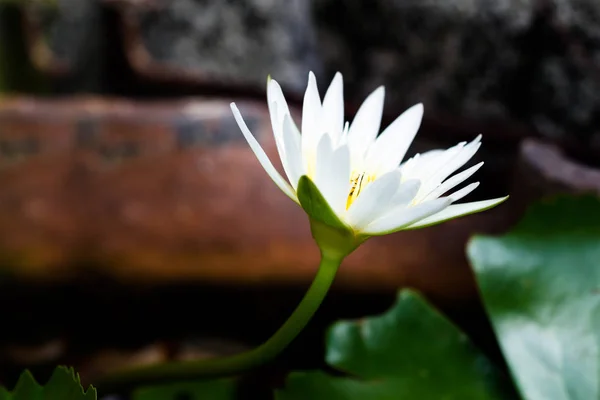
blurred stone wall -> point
(533, 62)
(238, 41)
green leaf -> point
(315, 205)
(541, 287)
(411, 352)
(222, 389)
(64, 384)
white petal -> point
(262, 156)
(311, 115)
(343, 139)
(374, 200)
(323, 157)
(366, 123)
(443, 166)
(340, 179)
(460, 156)
(278, 110)
(453, 182)
(408, 167)
(279, 139)
(457, 210)
(391, 146)
(293, 153)
(333, 108)
(419, 165)
(466, 154)
(432, 162)
(332, 175)
(275, 98)
(406, 192)
(401, 217)
(277, 126)
(459, 194)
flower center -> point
(358, 181)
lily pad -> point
(64, 384)
(541, 288)
(410, 352)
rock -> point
(452, 55)
(66, 41)
(543, 171)
(109, 360)
(30, 355)
(235, 42)
(207, 348)
(531, 61)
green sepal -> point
(334, 237)
(315, 205)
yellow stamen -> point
(358, 182)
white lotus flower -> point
(358, 173)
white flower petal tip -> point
(414, 114)
(262, 156)
(333, 108)
(456, 196)
(366, 123)
(389, 148)
(458, 210)
(350, 179)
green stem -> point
(187, 370)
